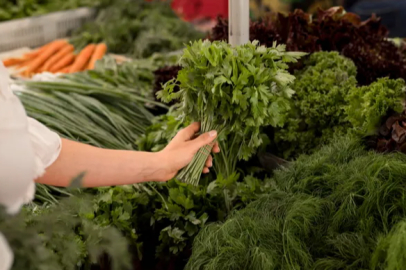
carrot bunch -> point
(57, 57)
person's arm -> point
(105, 167)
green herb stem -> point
(191, 174)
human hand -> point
(181, 150)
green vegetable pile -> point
(62, 237)
(137, 28)
(108, 107)
(16, 9)
(341, 208)
(235, 91)
(318, 104)
(161, 220)
(86, 119)
(328, 102)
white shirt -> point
(27, 148)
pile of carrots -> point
(57, 57)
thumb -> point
(203, 140)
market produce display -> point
(234, 91)
(137, 28)
(58, 57)
(340, 207)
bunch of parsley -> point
(234, 90)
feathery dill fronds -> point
(340, 208)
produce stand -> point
(309, 114)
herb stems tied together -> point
(193, 171)
(234, 90)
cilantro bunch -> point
(234, 90)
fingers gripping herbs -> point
(235, 91)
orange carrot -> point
(24, 63)
(40, 50)
(82, 59)
(58, 56)
(98, 54)
(64, 70)
(64, 62)
(31, 55)
(12, 62)
(26, 74)
(42, 58)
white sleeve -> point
(17, 160)
(46, 145)
(27, 148)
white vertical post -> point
(238, 19)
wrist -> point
(159, 168)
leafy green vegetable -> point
(321, 88)
(328, 102)
(162, 219)
(341, 208)
(138, 28)
(235, 91)
(61, 237)
(367, 105)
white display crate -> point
(37, 31)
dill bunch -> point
(340, 208)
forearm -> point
(103, 167)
